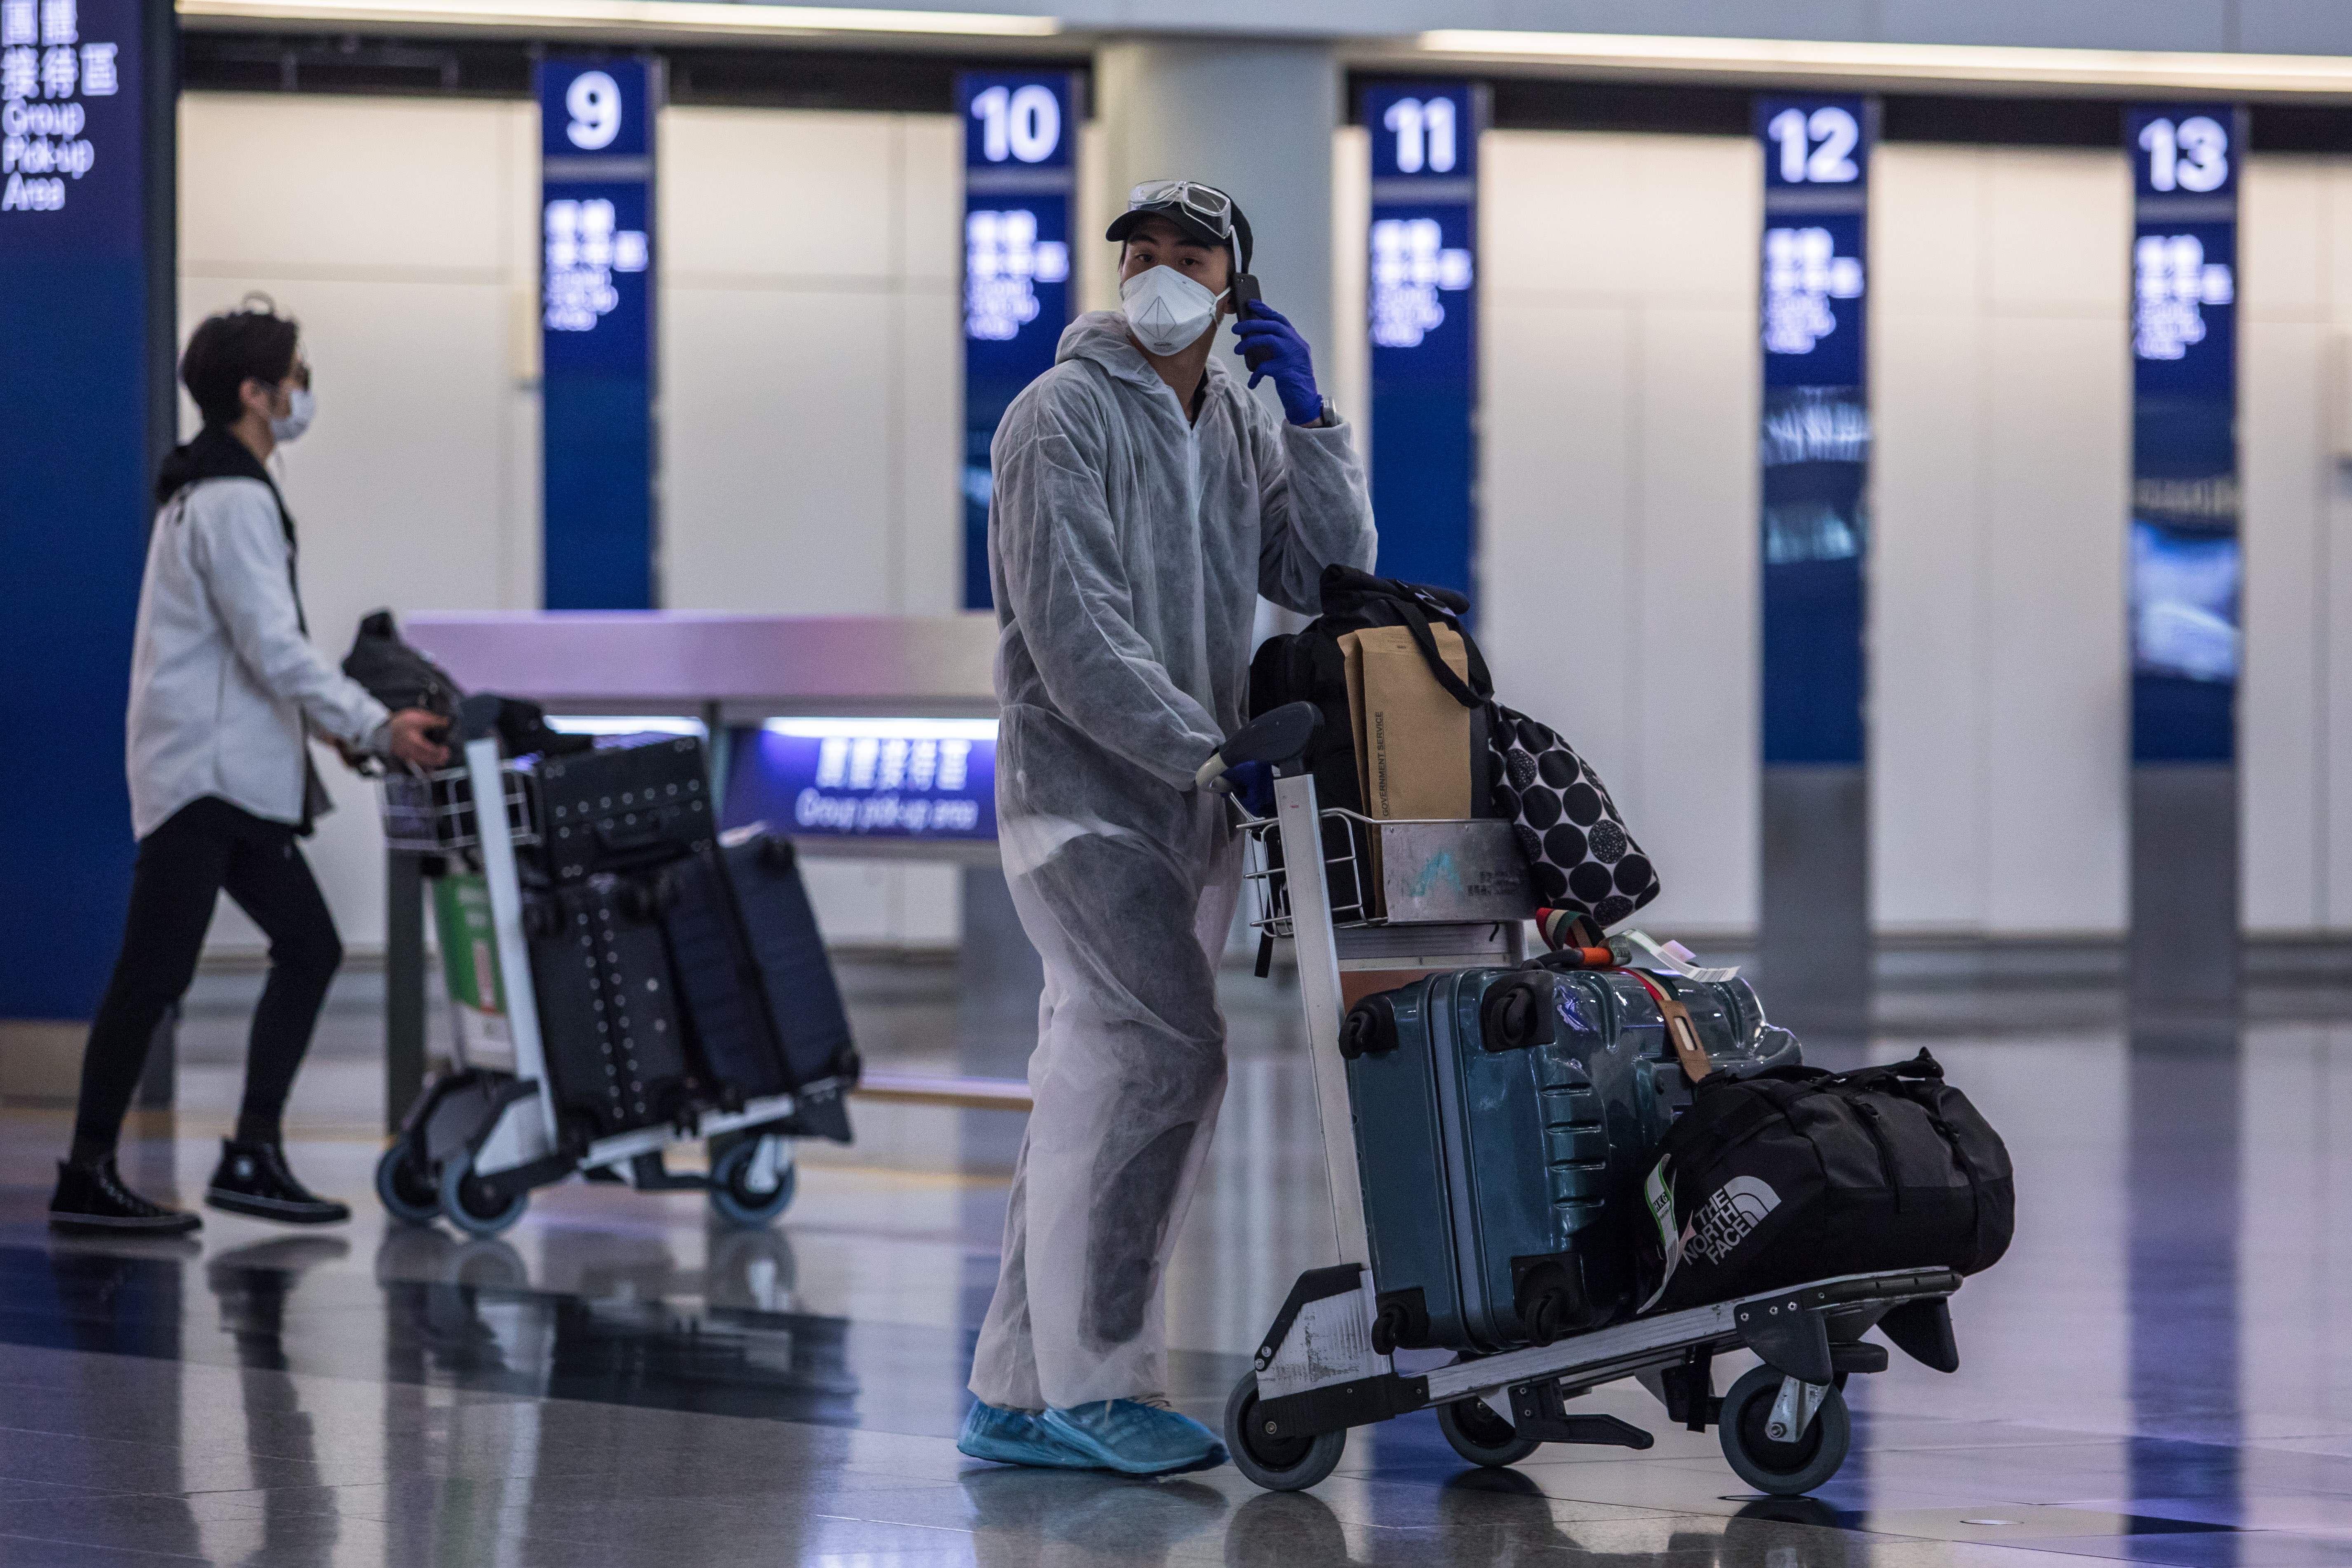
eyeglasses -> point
(300, 374)
(1206, 202)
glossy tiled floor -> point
(2160, 1371)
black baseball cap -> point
(1202, 212)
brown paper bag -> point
(1413, 739)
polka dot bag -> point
(1577, 846)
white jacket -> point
(221, 676)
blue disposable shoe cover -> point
(1136, 1438)
(1017, 1438)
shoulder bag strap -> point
(1417, 621)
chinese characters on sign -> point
(1003, 262)
(2170, 280)
(1411, 263)
(47, 67)
(583, 250)
(887, 778)
(1802, 273)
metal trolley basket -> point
(481, 1137)
(1446, 895)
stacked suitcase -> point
(1503, 1149)
(675, 970)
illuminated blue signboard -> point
(1816, 441)
(596, 330)
(866, 778)
(2185, 562)
(1019, 133)
(87, 341)
(1422, 298)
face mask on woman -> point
(299, 407)
(1166, 310)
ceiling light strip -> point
(1985, 64)
(735, 16)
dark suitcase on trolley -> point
(608, 1021)
(762, 1005)
(630, 803)
(1504, 1120)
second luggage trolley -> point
(1452, 895)
(480, 1138)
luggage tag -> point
(1671, 956)
(1681, 1033)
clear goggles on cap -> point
(1206, 203)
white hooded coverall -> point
(1127, 547)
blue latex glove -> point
(1252, 784)
(1272, 346)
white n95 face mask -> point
(1166, 310)
(299, 407)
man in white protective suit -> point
(1143, 501)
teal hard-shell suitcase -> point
(1503, 1119)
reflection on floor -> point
(2158, 1372)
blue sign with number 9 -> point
(594, 108)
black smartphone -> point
(1245, 294)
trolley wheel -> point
(1783, 1469)
(1278, 1464)
(409, 1194)
(740, 1203)
(471, 1207)
(1481, 1436)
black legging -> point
(204, 848)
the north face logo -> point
(1727, 1216)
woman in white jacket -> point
(226, 692)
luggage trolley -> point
(480, 1138)
(1446, 895)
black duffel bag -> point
(1796, 1174)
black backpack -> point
(1795, 1174)
(400, 675)
(1308, 667)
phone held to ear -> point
(1245, 294)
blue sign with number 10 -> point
(1017, 289)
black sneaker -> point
(93, 1197)
(252, 1178)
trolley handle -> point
(1277, 736)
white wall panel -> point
(2001, 394)
(2294, 302)
(1617, 556)
(804, 253)
(811, 397)
(778, 447)
(1927, 718)
(307, 183)
(417, 486)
